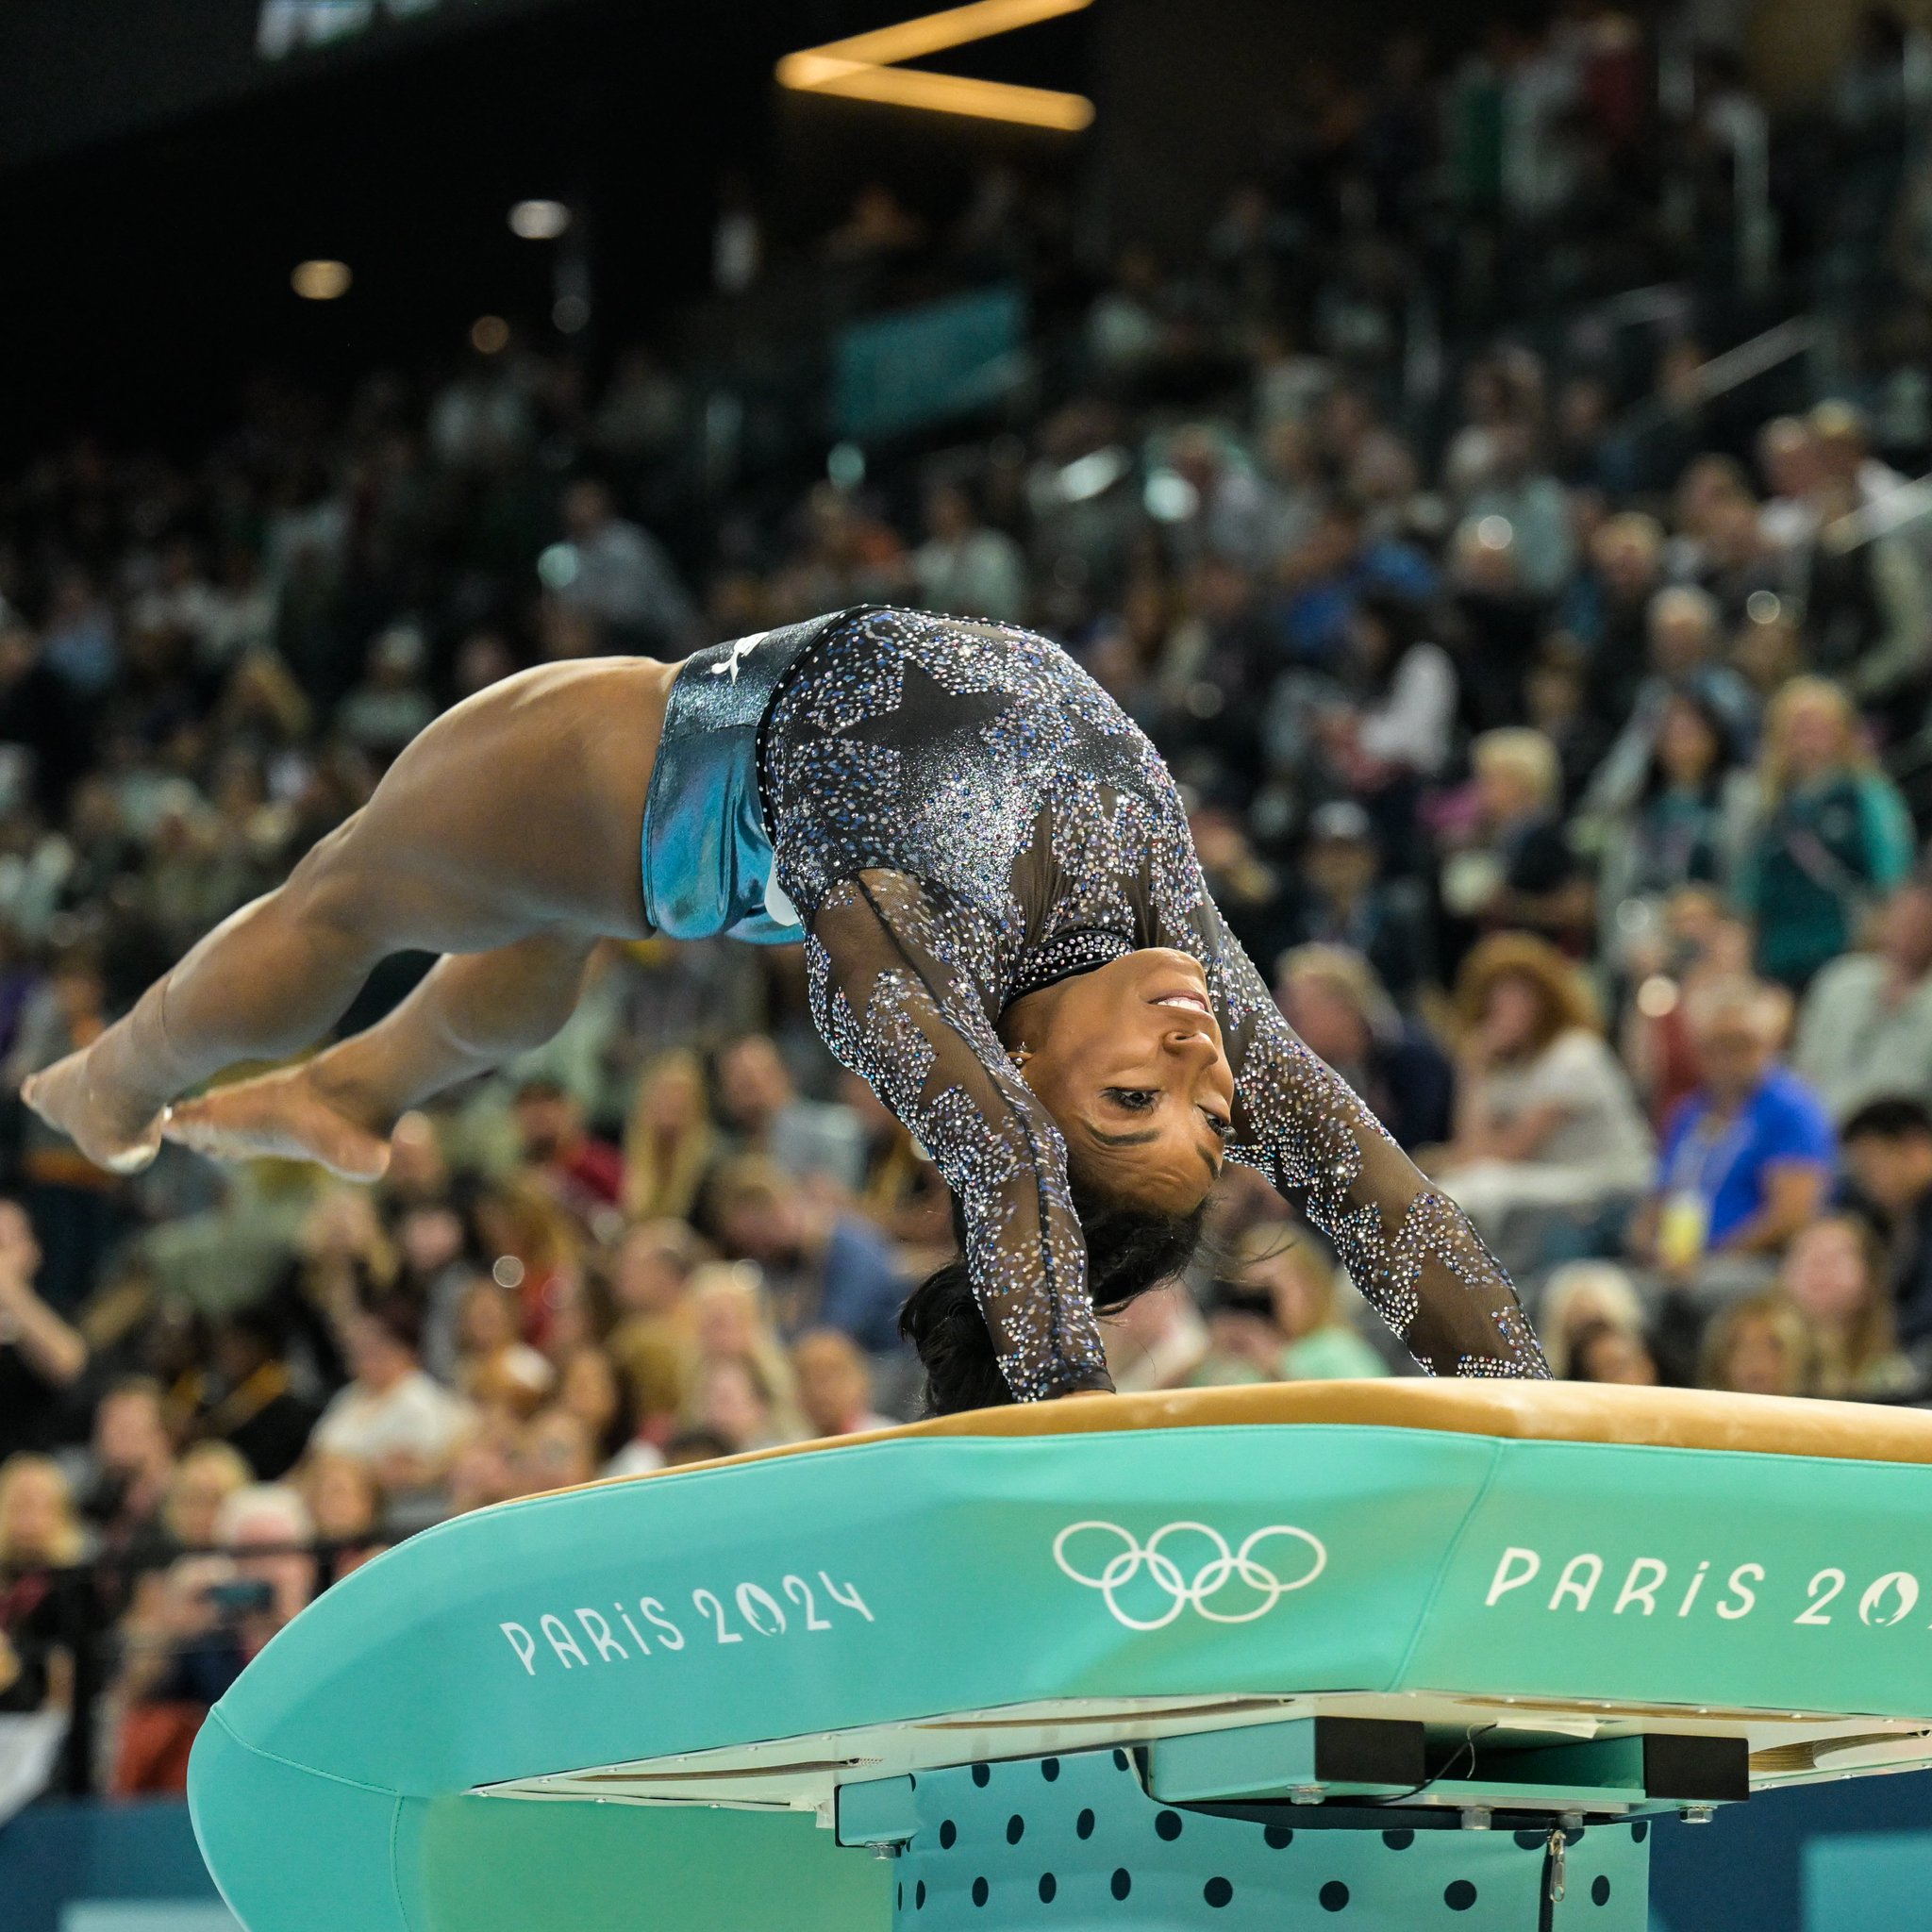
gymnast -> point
(1007, 935)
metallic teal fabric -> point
(707, 852)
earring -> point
(1020, 1055)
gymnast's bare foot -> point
(119, 1132)
(282, 1116)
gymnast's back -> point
(959, 815)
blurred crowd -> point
(1554, 703)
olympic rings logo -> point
(1183, 1591)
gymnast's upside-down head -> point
(1128, 1060)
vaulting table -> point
(1376, 1655)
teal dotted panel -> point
(1075, 1842)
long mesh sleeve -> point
(896, 1005)
(1407, 1246)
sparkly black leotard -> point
(961, 815)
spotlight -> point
(489, 335)
(570, 313)
(539, 221)
(321, 281)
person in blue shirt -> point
(1747, 1158)
(1340, 562)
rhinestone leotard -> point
(961, 815)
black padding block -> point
(1709, 1770)
(1368, 1750)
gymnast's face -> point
(1128, 1060)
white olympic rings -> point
(1208, 1580)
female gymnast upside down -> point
(1008, 932)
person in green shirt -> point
(1833, 835)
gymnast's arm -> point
(1409, 1248)
(897, 1007)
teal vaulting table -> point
(1368, 1654)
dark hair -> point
(398, 1317)
(1406, 623)
(1586, 1338)
(1893, 1117)
(1723, 737)
(694, 1445)
(1129, 1251)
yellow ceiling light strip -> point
(865, 67)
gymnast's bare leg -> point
(506, 836)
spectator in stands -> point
(496, 1368)
(1788, 460)
(1756, 1346)
(43, 1603)
(734, 1403)
(1518, 869)
(133, 1460)
(1545, 1118)
(1516, 490)
(590, 1389)
(1606, 1351)
(1580, 1296)
(1865, 1027)
(1888, 1155)
(758, 1102)
(212, 1615)
(203, 1479)
(39, 714)
(1606, 610)
(1685, 645)
(1340, 560)
(1834, 1275)
(826, 1267)
(1688, 825)
(621, 576)
(1388, 731)
(964, 568)
(1246, 889)
(1340, 899)
(1867, 617)
(42, 1359)
(1832, 833)
(1295, 1272)
(652, 1342)
(392, 704)
(483, 1472)
(554, 1452)
(834, 1384)
(1332, 998)
(1157, 1342)
(1244, 1341)
(392, 1415)
(1745, 1161)
(251, 1401)
(670, 1144)
(732, 1320)
(346, 1505)
(586, 1173)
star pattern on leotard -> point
(952, 728)
(961, 813)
